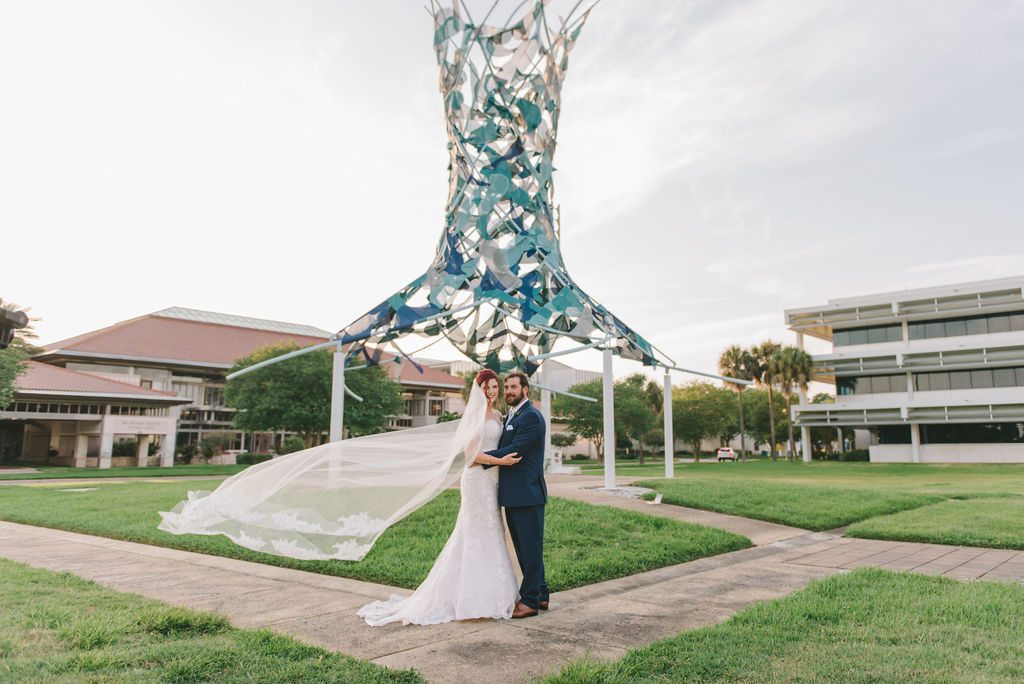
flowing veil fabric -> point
(334, 500)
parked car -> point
(726, 454)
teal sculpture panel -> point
(498, 289)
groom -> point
(523, 493)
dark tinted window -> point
(955, 328)
(977, 326)
(1003, 377)
(981, 378)
(998, 324)
(959, 380)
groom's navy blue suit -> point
(523, 493)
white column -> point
(338, 397)
(81, 450)
(805, 442)
(106, 444)
(670, 442)
(839, 434)
(915, 442)
(545, 409)
(167, 446)
(609, 422)
(142, 454)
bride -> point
(473, 577)
(333, 501)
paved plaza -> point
(603, 620)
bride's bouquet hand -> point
(509, 459)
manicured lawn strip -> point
(867, 626)
(583, 543)
(992, 522)
(950, 480)
(56, 627)
(800, 505)
(177, 471)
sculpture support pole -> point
(338, 396)
(670, 451)
(545, 409)
(609, 422)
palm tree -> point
(791, 368)
(740, 364)
(761, 370)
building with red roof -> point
(177, 359)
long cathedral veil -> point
(333, 501)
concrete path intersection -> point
(603, 620)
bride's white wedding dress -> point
(473, 577)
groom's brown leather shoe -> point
(543, 605)
(522, 611)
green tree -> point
(583, 418)
(761, 370)
(635, 416)
(759, 421)
(701, 410)
(295, 395)
(791, 369)
(738, 363)
(13, 359)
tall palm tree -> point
(740, 364)
(761, 355)
(791, 368)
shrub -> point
(251, 458)
(448, 416)
(854, 455)
(213, 443)
(563, 440)
(125, 448)
(291, 443)
(185, 453)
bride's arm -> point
(487, 459)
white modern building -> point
(936, 375)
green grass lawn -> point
(887, 501)
(47, 473)
(56, 627)
(800, 505)
(583, 543)
(866, 626)
(947, 479)
(994, 522)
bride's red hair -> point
(486, 374)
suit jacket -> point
(523, 483)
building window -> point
(972, 433)
(147, 384)
(894, 434)
(436, 407)
(981, 378)
(871, 384)
(868, 335)
(973, 325)
(213, 396)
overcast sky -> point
(719, 161)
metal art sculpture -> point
(498, 288)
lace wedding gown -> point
(473, 576)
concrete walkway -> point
(603, 620)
